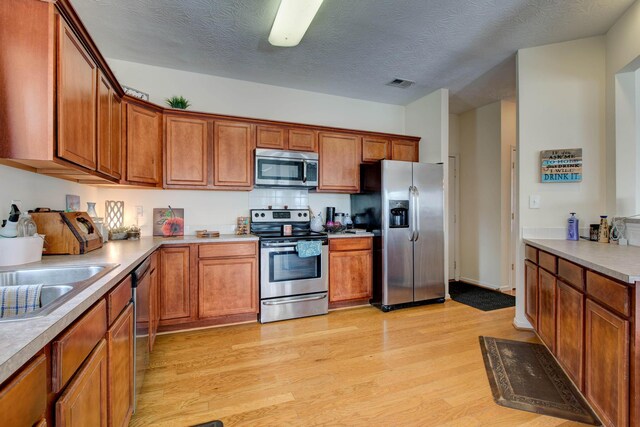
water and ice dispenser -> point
(398, 213)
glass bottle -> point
(91, 209)
(603, 232)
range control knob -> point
(305, 214)
(262, 214)
(299, 214)
(256, 214)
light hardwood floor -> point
(414, 367)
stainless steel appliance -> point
(279, 168)
(403, 204)
(141, 297)
(290, 286)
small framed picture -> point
(73, 203)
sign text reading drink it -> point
(561, 165)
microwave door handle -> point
(304, 171)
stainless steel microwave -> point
(279, 168)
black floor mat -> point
(480, 298)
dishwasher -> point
(140, 288)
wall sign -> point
(561, 165)
(135, 93)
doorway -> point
(452, 219)
(513, 236)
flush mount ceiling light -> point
(292, 21)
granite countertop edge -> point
(23, 339)
(596, 258)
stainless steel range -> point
(291, 286)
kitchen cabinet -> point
(547, 308)
(375, 149)
(404, 150)
(84, 401)
(188, 152)
(76, 96)
(531, 292)
(303, 140)
(272, 137)
(175, 294)
(109, 129)
(339, 163)
(23, 400)
(233, 144)
(569, 331)
(154, 300)
(120, 373)
(607, 364)
(350, 269)
(144, 144)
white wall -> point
(454, 134)
(507, 140)
(561, 104)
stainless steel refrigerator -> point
(403, 204)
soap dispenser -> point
(573, 230)
(10, 226)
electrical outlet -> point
(534, 201)
(139, 211)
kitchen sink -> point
(59, 284)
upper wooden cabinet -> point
(76, 85)
(271, 137)
(233, 144)
(303, 140)
(339, 159)
(375, 149)
(405, 150)
(188, 152)
(109, 129)
(144, 144)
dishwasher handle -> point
(140, 271)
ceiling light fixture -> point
(292, 21)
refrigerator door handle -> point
(416, 211)
(411, 210)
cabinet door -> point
(271, 137)
(547, 308)
(404, 150)
(606, 383)
(569, 332)
(76, 95)
(84, 401)
(23, 400)
(374, 149)
(339, 158)
(187, 151)
(233, 162)
(154, 306)
(303, 140)
(120, 368)
(531, 293)
(116, 136)
(350, 275)
(104, 125)
(227, 286)
(143, 144)
(175, 299)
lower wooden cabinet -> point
(570, 332)
(547, 308)
(607, 364)
(350, 269)
(175, 292)
(84, 401)
(227, 286)
(120, 369)
(23, 401)
(531, 292)
(154, 300)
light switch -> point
(139, 211)
(534, 201)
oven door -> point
(273, 171)
(284, 273)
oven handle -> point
(315, 298)
(283, 245)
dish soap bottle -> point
(573, 231)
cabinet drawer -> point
(23, 401)
(547, 261)
(350, 244)
(74, 345)
(226, 250)
(571, 273)
(606, 291)
(118, 299)
(531, 254)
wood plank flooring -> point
(414, 367)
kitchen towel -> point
(309, 248)
(15, 300)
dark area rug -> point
(525, 376)
(480, 298)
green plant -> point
(178, 102)
(133, 229)
(118, 230)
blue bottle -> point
(572, 227)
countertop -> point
(619, 262)
(22, 339)
(343, 235)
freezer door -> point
(428, 247)
(397, 283)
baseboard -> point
(483, 285)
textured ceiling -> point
(353, 47)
